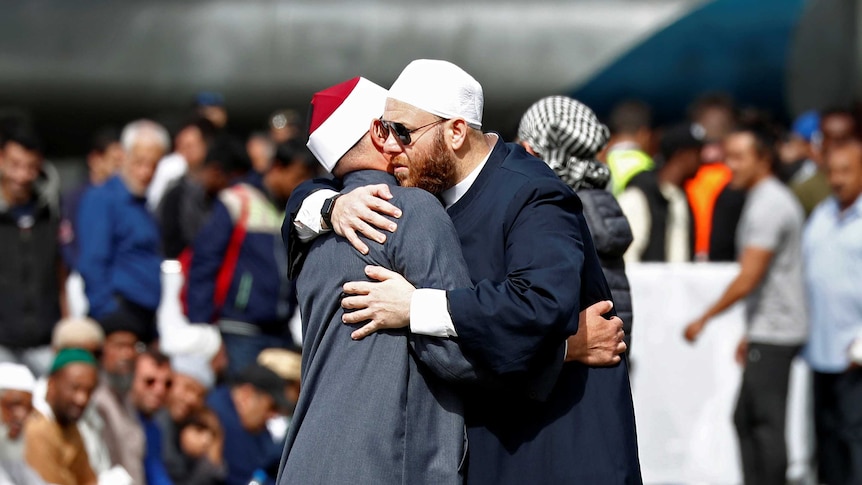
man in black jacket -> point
(31, 272)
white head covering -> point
(197, 338)
(195, 366)
(340, 117)
(16, 377)
(440, 88)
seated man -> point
(123, 433)
(53, 444)
(243, 408)
(16, 396)
(192, 379)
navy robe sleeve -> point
(510, 325)
(296, 249)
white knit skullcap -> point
(16, 377)
(440, 88)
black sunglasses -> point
(385, 127)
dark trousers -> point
(761, 412)
(838, 427)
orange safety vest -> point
(702, 190)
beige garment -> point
(123, 432)
(56, 452)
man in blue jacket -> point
(118, 239)
(533, 266)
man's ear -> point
(459, 130)
(376, 140)
(527, 147)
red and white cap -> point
(340, 117)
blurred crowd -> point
(103, 397)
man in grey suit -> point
(377, 410)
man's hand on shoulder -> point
(362, 210)
(385, 304)
(599, 340)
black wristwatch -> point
(326, 210)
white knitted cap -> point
(440, 88)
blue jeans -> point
(242, 350)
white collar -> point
(453, 194)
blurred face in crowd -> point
(104, 164)
(426, 162)
(717, 122)
(217, 115)
(140, 164)
(190, 143)
(15, 406)
(118, 359)
(837, 129)
(746, 163)
(689, 162)
(69, 391)
(19, 168)
(186, 396)
(254, 407)
(150, 385)
(260, 150)
(844, 166)
(794, 149)
(195, 441)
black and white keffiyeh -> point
(566, 134)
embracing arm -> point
(360, 211)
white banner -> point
(685, 394)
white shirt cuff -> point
(429, 314)
(307, 222)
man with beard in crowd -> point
(192, 379)
(53, 445)
(123, 433)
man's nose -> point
(391, 145)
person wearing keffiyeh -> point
(567, 135)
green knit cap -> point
(72, 356)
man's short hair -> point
(25, 137)
(765, 139)
(227, 154)
(104, 138)
(711, 101)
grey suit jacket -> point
(378, 410)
